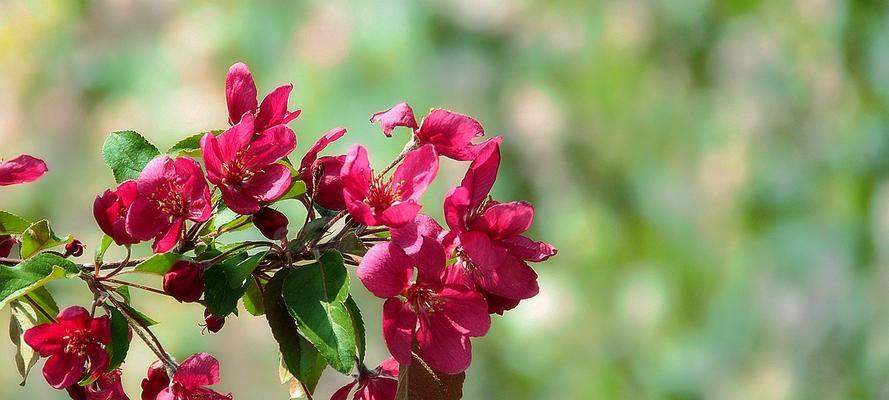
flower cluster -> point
(440, 285)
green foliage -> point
(12, 224)
(358, 323)
(31, 274)
(127, 153)
(219, 295)
(120, 339)
(38, 237)
(191, 146)
(23, 316)
(159, 263)
(103, 246)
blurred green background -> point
(714, 173)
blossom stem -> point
(242, 246)
(135, 285)
(410, 146)
(374, 231)
(120, 267)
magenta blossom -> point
(184, 281)
(329, 193)
(492, 249)
(437, 312)
(110, 210)
(190, 380)
(451, 133)
(21, 169)
(240, 96)
(379, 384)
(375, 200)
(155, 381)
(171, 191)
(74, 341)
(107, 387)
(245, 168)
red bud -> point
(212, 323)
(75, 248)
(272, 223)
(6, 243)
(184, 281)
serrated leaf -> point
(31, 274)
(120, 339)
(191, 146)
(23, 316)
(298, 355)
(127, 153)
(252, 298)
(418, 381)
(104, 244)
(159, 263)
(11, 224)
(314, 295)
(38, 237)
(237, 276)
(358, 323)
(139, 316)
(221, 298)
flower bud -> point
(6, 243)
(75, 248)
(212, 323)
(184, 281)
(272, 223)
(156, 381)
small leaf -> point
(120, 339)
(159, 263)
(297, 188)
(229, 221)
(126, 153)
(297, 354)
(191, 146)
(38, 237)
(314, 295)
(102, 248)
(418, 381)
(312, 231)
(237, 276)
(351, 244)
(23, 317)
(124, 292)
(11, 224)
(43, 298)
(32, 274)
(139, 316)
(221, 298)
(252, 298)
(358, 323)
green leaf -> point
(229, 221)
(297, 353)
(314, 295)
(298, 188)
(159, 263)
(418, 381)
(38, 237)
(351, 244)
(220, 297)
(139, 316)
(11, 224)
(312, 231)
(44, 299)
(252, 298)
(126, 153)
(358, 323)
(124, 292)
(102, 248)
(191, 146)
(237, 276)
(120, 339)
(23, 317)
(32, 274)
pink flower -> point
(329, 193)
(379, 384)
(170, 192)
(492, 249)
(375, 200)
(156, 381)
(184, 281)
(440, 313)
(110, 210)
(73, 340)
(107, 387)
(245, 168)
(190, 380)
(21, 169)
(451, 133)
(240, 96)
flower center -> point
(78, 342)
(423, 298)
(169, 198)
(235, 171)
(383, 193)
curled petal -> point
(234, 139)
(199, 370)
(399, 214)
(497, 271)
(62, 369)
(273, 110)
(400, 114)
(356, 173)
(385, 270)
(399, 322)
(451, 133)
(442, 346)
(272, 145)
(527, 249)
(21, 169)
(312, 154)
(240, 92)
(505, 220)
(482, 173)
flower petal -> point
(145, 220)
(21, 169)
(385, 270)
(240, 92)
(239, 201)
(359, 210)
(399, 214)
(495, 270)
(168, 238)
(356, 173)
(212, 157)
(343, 392)
(199, 370)
(269, 184)
(467, 309)
(482, 173)
(442, 346)
(235, 139)
(410, 236)
(312, 154)
(100, 329)
(63, 369)
(399, 322)
(46, 338)
(456, 208)
(272, 145)
(400, 114)
(451, 133)
(505, 220)
(527, 249)
(74, 317)
(273, 110)
(416, 172)
(98, 361)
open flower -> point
(440, 313)
(240, 96)
(73, 344)
(245, 168)
(110, 210)
(171, 191)
(190, 380)
(21, 169)
(107, 387)
(451, 133)
(376, 200)
(329, 193)
(379, 384)
(492, 249)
